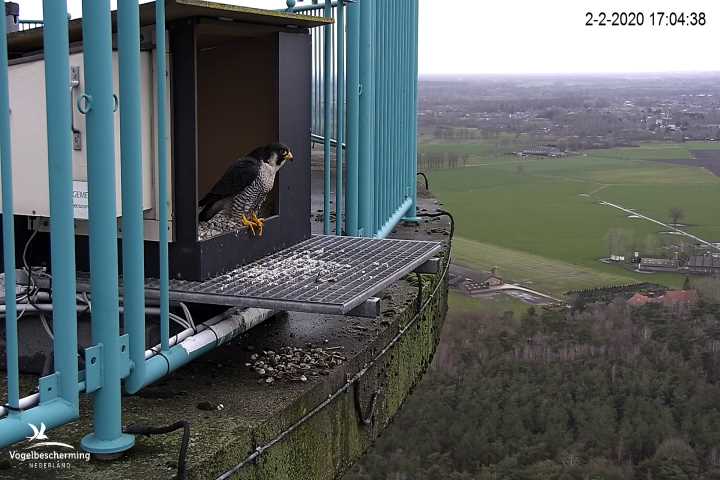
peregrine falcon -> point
(242, 189)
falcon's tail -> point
(212, 205)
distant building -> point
(679, 297)
(704, 264)
(658, 265)
(483, 282)
(639, 300)
(543, 151)
(671, 298)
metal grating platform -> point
(324, 274)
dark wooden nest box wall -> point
(236, 87)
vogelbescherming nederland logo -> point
(36, 455)
(39, 434)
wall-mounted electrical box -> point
(28, 123)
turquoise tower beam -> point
(132, 195)
(62, 223)
(108, 437)
(340, 122)
(353, 117)
(327, 123)
(163, 200)
(366, 168)
(11, 335)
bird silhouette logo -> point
(38, 435)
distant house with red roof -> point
(679, 297)
(639, 300)
(671, 298)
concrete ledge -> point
(254, 414)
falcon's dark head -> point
(275, 154)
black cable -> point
(441, 213)
(182, 458)
(420, 291)
(427, 184)
(366, 419)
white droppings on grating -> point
(297, 267)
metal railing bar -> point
(62, 223)
(128, 18)
(321, 140)
(353, 118)
(163, 176)
(340, 119)
(327, 93)
(11, 334)
(315, 7)
(105, 321)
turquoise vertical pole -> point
(340, 122)
(411, 214)
(393, 29)
(366, 172)
(327, 113)
(132, 194)
(160, 68)
(383, 88)
(62, 224)
(378, 143)
(401, 88)
(11, 336)
(353, 117)
(397, 29)
(97, 44)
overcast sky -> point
(529, 36)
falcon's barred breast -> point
(241, 191)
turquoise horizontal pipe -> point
(309, 8)
(53, 414)
(60, 179)
(340, 118)
(321, 140)
(353, 117)
(162, 153)
(393, 220)
(161, 365)
(97, 53)
(11, 336)
(327, 122)
(132, 196)
(366, 173)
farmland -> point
(539, 221)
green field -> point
(460, 304)
(505, 213)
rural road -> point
(675, 229)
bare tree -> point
(676, 214)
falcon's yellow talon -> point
(259, 222)
(248, 223)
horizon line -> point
(536, 74)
